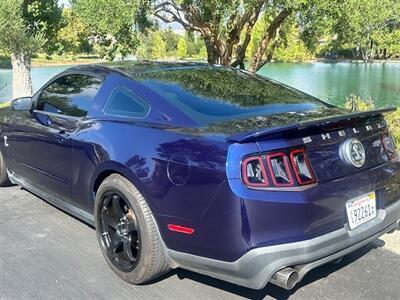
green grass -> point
(5, 104)
(44, 60)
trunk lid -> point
(286, 124)
(324, 140)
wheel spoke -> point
(109, 221)
(116, 243)
(106, 203)
(119, 231)
(116, 207)
(128, 249)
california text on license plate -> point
(361, 210)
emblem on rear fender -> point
(5, 141)
(353, 153)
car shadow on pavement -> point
(272, 290)
(58, 208)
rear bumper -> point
(255, 268)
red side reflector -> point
(181, 229)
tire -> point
(4, 181)
(144, 260)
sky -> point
(65, 2)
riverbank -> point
(360, 61)
(42, 61)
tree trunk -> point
(363, 55)
(214, 55)
(269, 35)
(353, 53)
(241, 49)
(22, 82)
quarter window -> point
(71, 95)
(123, 102)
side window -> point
(71, 95)
(123, 102)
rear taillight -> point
(302, 167)
(277, 169)
(278, 166)
(389, 146)
(253, 172)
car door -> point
(42, 144)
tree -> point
(193, 43)
(159, 48)
(359, 24)
(25, 27)
(73, 35)
(171, 40)
(43, 16)
(290, 46)
(191, 47)
(113, 24)
(221, 24)
(21, 43)
(202, 52)
(181, 48)
(268, 38)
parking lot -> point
(47, 254)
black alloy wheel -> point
(127, 232)
(120, 232)
(4, 181)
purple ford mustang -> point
(205, 168)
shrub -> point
(5, 62)
(393, 119)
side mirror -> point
(22, 104)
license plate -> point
(361, 210)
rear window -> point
(123, 102)
(213, 94)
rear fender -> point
(112, 167)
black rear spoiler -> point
(251, 136)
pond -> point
(39, 77)
(331, 82)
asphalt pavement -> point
(47, 254)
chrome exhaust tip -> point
(397, 227)
(285, 278)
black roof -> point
(211, 94)
(132, 68)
